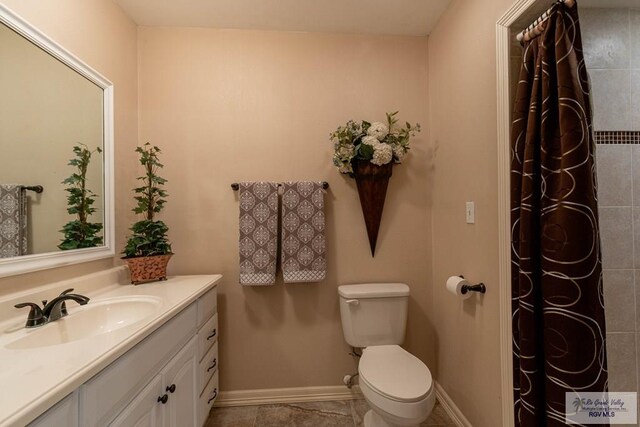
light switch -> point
(471, 212)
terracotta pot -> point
(148, 268)
(372, 181)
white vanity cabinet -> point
(169, 379)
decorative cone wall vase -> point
(372, 181)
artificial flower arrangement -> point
(376, 142)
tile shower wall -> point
(611, 39)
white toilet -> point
(395, 383)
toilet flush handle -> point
(352, 302)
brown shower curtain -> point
(557, 302)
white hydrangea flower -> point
(399, 152)
(346, 150)
(382, 154)
(378, 130)
(370, 140)
(345, 168)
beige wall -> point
(46, 108)
(462, 83)
(227, 106)
(99, 33)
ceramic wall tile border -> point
(617, 137)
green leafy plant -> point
(378, 143)
(149, 236)
(80, 233)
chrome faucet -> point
(52, 310)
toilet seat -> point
(394, 373)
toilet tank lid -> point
(374, 290)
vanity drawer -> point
(207, 305)
(106, 394)
(207, 335)
(207, 399)
(208, 366)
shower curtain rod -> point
(537, 28)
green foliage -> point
(149, 237)
(365, 152)
(80, 233)
(150, 196)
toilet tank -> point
(374, 313)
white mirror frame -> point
(29, 263)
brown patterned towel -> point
(258, 232)
(303, 241)
(13, 221)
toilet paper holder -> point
(480, 288)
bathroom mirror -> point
(56, 154)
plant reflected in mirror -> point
(80, 233)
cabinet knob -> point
(213, 396)
(163, 399)
(213, 365)
(171, 388)
(213, 334)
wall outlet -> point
(471, 212)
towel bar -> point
(37, 188)
(235, 186)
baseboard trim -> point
(319, 394)
(287, 395)
(450, 408)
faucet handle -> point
(66, 291)
(36, 317)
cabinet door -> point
(64, 413)
(180, 385)
(145, 410)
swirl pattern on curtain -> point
(557, 298)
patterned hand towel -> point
(13, 221)
(303, 241)
(258, 232)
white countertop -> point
(33, 380)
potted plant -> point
(80, 233)
(148, 250)
(367, 152)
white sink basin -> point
(96, 318)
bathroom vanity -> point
(142, 355)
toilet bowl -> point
(397, 386)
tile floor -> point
(348, 413)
